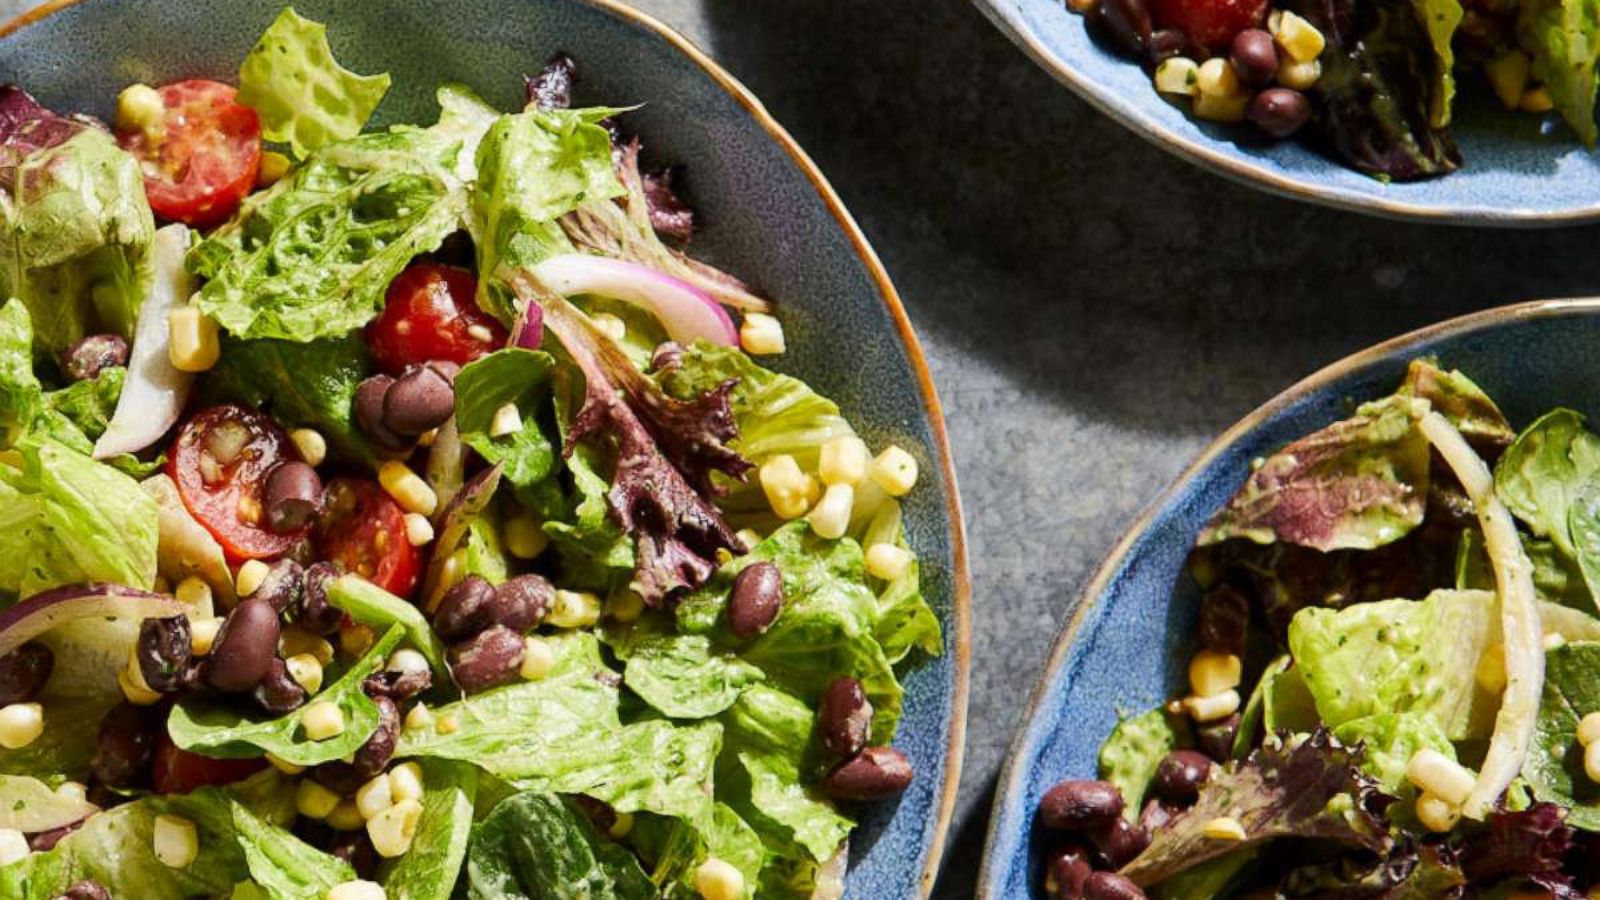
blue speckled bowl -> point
(1126, 645)
(1520, 169)
(770, 216)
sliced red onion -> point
(42, 612)
(688, 313)
(528, 332)
(154, 391)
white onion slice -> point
(154, 392)
(1520, 628)
(687, 313)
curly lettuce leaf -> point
(1440, 19)
(1542, 471)
(515, 376)
(536, 845)
(1411, 871)
(432, 867)
(1562, 37)
(1130, 755)
(303, 385)
(302, 94)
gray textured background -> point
(1094, 310)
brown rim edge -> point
(961, 578)
(1109, 566)
(1234, 170)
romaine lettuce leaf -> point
(432, 867)
(484, 386)
(676, 847)
(1541, 472)
(681, 675)
(302, 94)
(1563, 39)
(1130, 755)
(1554, 768)
(21, 395)
(303, 385)
(539, 845)
(1388, 741)
(282, 865)
(905, 620)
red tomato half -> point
(206, 156)
(220, 462)
(1210, 23)
(364, 530)
(430, 314)
(178, 771)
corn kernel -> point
(1213, 707)
(1221, 108)
(449, 723)
(1212, 673)
(284, 766)
(537, 658)
(524, 538)
(298, 640)
(314, 801)
(133, 688)
(888, 562)
(1178, 75)
(1508, 75)
(1223, 828)
(785, 486)
(140, 108)
(1537, 100)
(419, 531)
(1300, 39)
(1434, 773)
(374, 797)
(356, 890)
(322, 720)
(420, 717)
(407, 660)
(1217, 78)
(345, 817)
(73, 790)
(195, 595)
(175, 841)
(830, 518)
(202, 634)
(622, 827)
(13, 846)
(844, 460)
(895, 471)
(251, 575)
(611, 326)
(274, 166)
(1437, 814)
(574, 609)
(312, 445)
(1591, 762)
(506, 420)
(718, 880)
(356, 639)
(192, 343)
(625, 606)
(393, 829)
(1490, 672)
(761, 335)
(306, 671)
(1302, 76)
(1589, 729)
(405, 782)
(407, 488)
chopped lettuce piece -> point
(1554, 768)
(21, 395)
(1208, 880)
(1388, 741)
(303, 385)
(302, 94)
(1439, 19)
(681, 675)
(432, 867)
(676, 848)
(539, 845)
(1287, 705)
(1541, 472)
(282, 865)
(1129, 757)
(1557, 578)
(1563, 39)
(515, 376)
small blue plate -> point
(1126, 645)
(1520, 170)
(770, 216)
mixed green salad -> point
(1393, 691)
(406, 516)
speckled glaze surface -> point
(1125, 647)
(1520, 169)
(768, 215)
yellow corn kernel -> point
(405, 782)
(1223, 828)
(20, 725)
(407, 488)
(1437, 814)
(251, 575)
(73, 790)
(895, 471)
(524, 538)
(537, 658)
(844, 460)
(1537, 100)
(761, 335)
(785, 486)
(449, 723)
(356, 890)
(1508, 75)
(718, 880)
(1213, 707)
(1178, 75)
(830, 518)
(134, 688)
(312, 445)
(296, 641)
(322, 720)
(888, 562)
(284, 766)
(175, 841)
(420, 717)
(506, 420)
(202, 634)
(625, 606)
(13, 846)
(345, 817)
(306, 671)
(374, 797)
(1217, 78)
(1490, 672)
(192, 343)
(195, 595)
(140, 108)
(1299, 38)
(1591, 762)
(314, 801)
(574, 609)
(1212, 673)
(1434, 773)
(406, 660)
(1302, 76)
(1221, 107)
(419, 531)
(274, 166)
(622, 827)
(393, 829)
(356, 639)
(1589, 729)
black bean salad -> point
(1394, 690)
(407, 516)
(1371, 83)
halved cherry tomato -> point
(177, 771)
(205, 157)
(220, 462)
(364, 530)
(430, 314)
(1212, 24)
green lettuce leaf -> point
(432, 867)
(311, 385)
(1557, 578)
(539, 845)
(1130, 755)
(484, 386)
(1450, 393)
(1287, 702)
(1440, 18)
(1388, 742)
(282, 865)
(221, 730)
(1540, 473)
(680, 675)
(676, 848)
(21, 395)
(302, 94)
(1554, 767)
(1563, 39)
(905, 620)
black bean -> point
(1156, 815)
(465, 609)
(489, 658)
(1165, 43)
(1179, 776)
(1065, 871)
(41, 841)
(1110, 886)
(369, 414)
(756, 599)
(522, 602)
(875, 773)
(602, 814)
(85, 359)
(126, 745)
(245, 647)
(379, 748)
(85, 890)
(316, 613)
(1215, 739)
(163, 650)
(292, 497)
(338, 776)
(397, 685)
(1279, 111)
(1255, 57)
(1128, 22)
(278, 693)
(1119, 842)
(844, 717)
(282, 587)
(355, 848)
(552, 88)
(1224, 620)
(1079, 805)
(24, 672)
(418, 401)
(446, 370)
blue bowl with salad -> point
(1479, 113)
(1350, 653)
(452, 456)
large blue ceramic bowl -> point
(770, 216)
(1126, 644)
(1520, 169)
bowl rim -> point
(1007, 17)
(960, 620)
(1014, 775)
